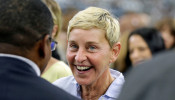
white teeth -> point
(82, 67)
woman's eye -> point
(92, 48)
(73, 46)
(142, 48)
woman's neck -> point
(97, 89)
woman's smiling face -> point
(89, 55)
(138, 50)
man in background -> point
(25, 39)
(152, 80)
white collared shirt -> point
(31, 63)
(70, 85)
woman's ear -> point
(115, 52)
(54, 32)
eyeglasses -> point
(53, 44)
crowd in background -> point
(131, 14)
(155, 8)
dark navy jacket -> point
(19, 81)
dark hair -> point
(23, 22)
(153, 39)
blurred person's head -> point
(25, 30)
(133, 20)
(129, 21)
(92, 45)
(166, 27)
(143, 43)
(56, 15)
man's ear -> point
(55, 29)
(44, 46)
(115, 52)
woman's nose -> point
(135, 54)
(80, 56)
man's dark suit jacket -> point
(19, 81)
(152, 80)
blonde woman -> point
(55, 68)
(92, 46)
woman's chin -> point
(84, 83)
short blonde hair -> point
(94, 17)
(56, 13)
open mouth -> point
(83, 68)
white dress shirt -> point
(70, 85)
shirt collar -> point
(78, 90)
(113, 90)
(31, 63)
(116, 86)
